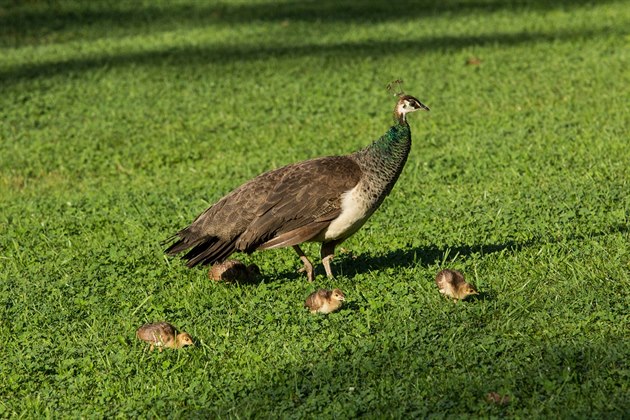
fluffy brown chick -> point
(233, 270)
(163, 334)
(324, 301)
(452, 284)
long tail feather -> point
(209, 253)
(178, 247)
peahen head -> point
(405, 105)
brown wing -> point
(316, 299)
(155, 332)
(458, 278)
(303, 203)
(440, 278)
(303, 197)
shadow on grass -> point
(21, 20)
(185, 56)
(191, 55)
(408, 257)
(422, 256)
(553, 375)
(427, 256)
(483, 296)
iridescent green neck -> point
(382, 161)
(396, 141)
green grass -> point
(122, 121)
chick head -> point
(184, 339)
(338, 295)
(467, 289)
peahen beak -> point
(423, 106)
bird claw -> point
(310, 274)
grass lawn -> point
(121, 121)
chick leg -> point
(328, 253)
(308, 267)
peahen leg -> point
(328, 253)
(308, 267)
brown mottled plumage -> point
(452, 284)
(498, 399)
(163, 334)
(324, 301)
(233, 270)
(319, 200)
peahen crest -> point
(396, 87)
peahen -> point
(319, 200)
